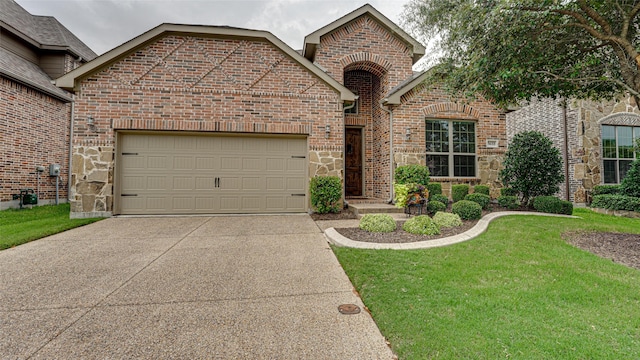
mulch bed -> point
(619, 247)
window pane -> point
(624, 165)
(438, 165)
(610, 172)
(625, 142)
(437, 136)
(636, 138)
(464, 165)
(609, 142)
(464, 137)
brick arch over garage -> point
(373, 63)
(451, 110)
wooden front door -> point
(353, 162)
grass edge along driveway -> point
(19, 226)
(517, 291)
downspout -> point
(70, 149)
(390, 112)
(566, 149)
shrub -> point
(468, 210)
(422, 225)
(416, 174)
(506, 191)
(509, 202)
(434, 206)
(434, 189)
(532, 166)
(446, 220)
(630, 185)
(326, 192)
(459, 191)
(481, 189)
(377, 223)
(403, 193)
(606, 189)
(616, 202)
(482, 199)
(552, 205)
(440, 198)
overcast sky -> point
(105, 24)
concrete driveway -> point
(244, 287)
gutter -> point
(390, 112)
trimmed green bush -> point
(446, 220)
(468, 210)
(532, 166)
(616, 202)
(441, 198)
(378, 223)
(481, 189)
(421, 225)
(552, 205)
(482, 199)
(459, 191)
(416, 174)
(507, 191)
(326, 192)
(630, 185)
(606, 189)
(509, 202)
(434, 189)
(434, 206)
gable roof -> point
(312, 40)
(70, 80)
(394, 96)
(43, 32)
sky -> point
(105, 24)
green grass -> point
(21, 226)
(517, 291)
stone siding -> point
(34, 128)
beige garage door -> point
(189, 174)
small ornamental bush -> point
(421, 225)
(481, 189)
(630, 185)
(459, 191)
(507, 191)
(434, 206)
(468, 210)
(326, 192)
(552, 205)
(412, 174)
(377, 223)
(532, 166)
(509, 202)
(482, 199)
(616, 202)
(606, 189)
(440, 198)
(405, 194)
(434, 189)
(446, 220)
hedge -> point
(616, 202)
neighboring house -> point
(595, 138)
(34, 114)
(207, 119)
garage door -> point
(181, 174)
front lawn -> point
(21, 226)
(517, 291)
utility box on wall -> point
(54, 170)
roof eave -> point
(35, 86)
(395, 98)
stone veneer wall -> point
(92, 181)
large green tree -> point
(512, 50)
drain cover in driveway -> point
(349, 309)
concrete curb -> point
(337, 239)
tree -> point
(509, 50)
(532, 166)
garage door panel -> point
(211, 174)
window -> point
(618, 151)
(451, 148)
